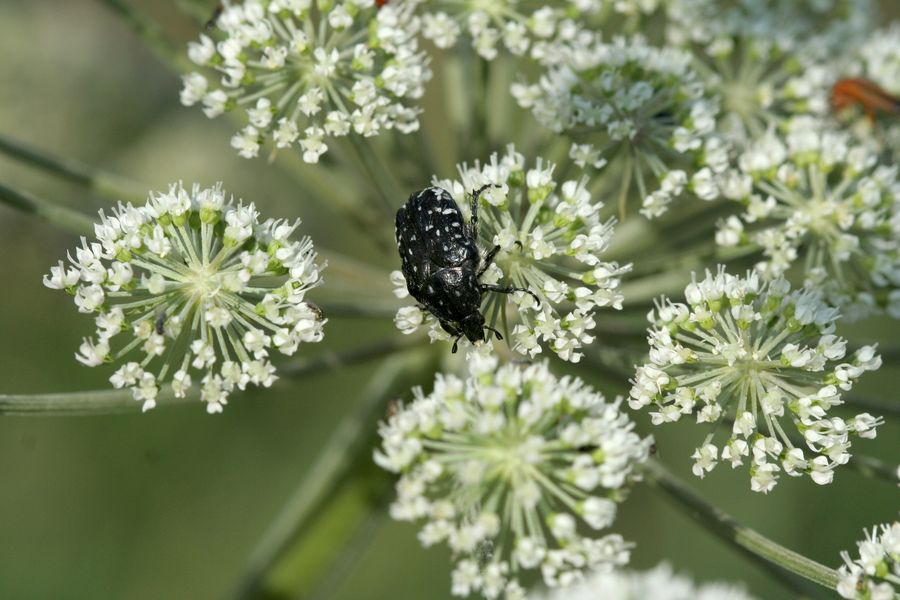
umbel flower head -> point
(195, 283)
(516, 470)
(642, 109)
(304, 71)
(523, 26)
(764, 358)
(813, 196)
(875, 574)
(551, 240)
(660, 583)
(762, 71)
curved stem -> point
(348, 447)
(94, 179)
(875, 468)
(878, 406)
(150, 32)
(109, 402)
(63, 217)
(389, 190)
(73, 404)
(756, 545)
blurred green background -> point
(171, 503)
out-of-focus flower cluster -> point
(195, 282)
(304, 73)
(660, 583)
(642, 108)
(815, 198)
(516, 470)
(764, 358)
(551, 240)
(875, 574)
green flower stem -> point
(107, 402)
(96, 180)
(352, 551)
(877, 406)
(389, 190)
(747, 540)
(198, 11)
(332, 360)
(358, 310)
(321, 182)
(151, 34)
(349, 447)
(875, 468)
(63, 217)
(644, 290)
(96, 402)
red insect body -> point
(856, 91)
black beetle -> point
(442, 264)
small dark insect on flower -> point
(442, 264)
(217, 11)
(856, 91)
(160, 323)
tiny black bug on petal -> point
(442, 264)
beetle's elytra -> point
(442, 263)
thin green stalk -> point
(878, 406)
(875, 468)
(152, 35)
(63, 217)
(643, 290)
(331, 360)
(92, 178)
(106, 402)
(351, 553)
(95, 402)
(358, 310)
(389, 190)
(349, 444)
(747, 540)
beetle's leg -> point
(507, 289)
(488, 260)
(497, 333)
(473, 220)
(455, 343)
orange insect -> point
(856, 91)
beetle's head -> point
(473, 327)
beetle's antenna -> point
(497, 333)
(455, 343)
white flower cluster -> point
(508, 467)
(523, 26)
(643, 108)
(811, 195)
(762, 76)
(660, 583)
(765, 358)
(303, 74)
(551, 240)
(194, 281)
(875, 575)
